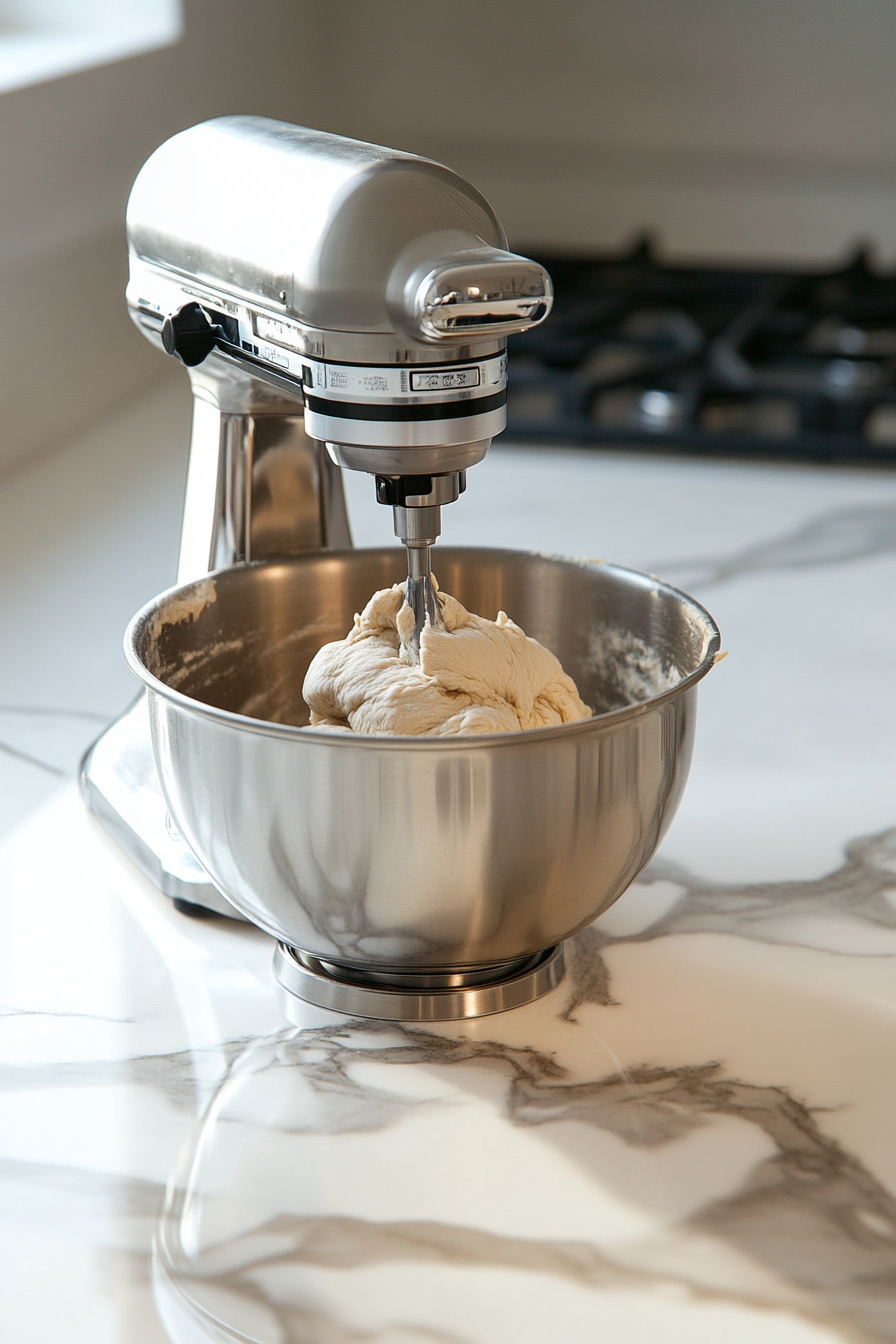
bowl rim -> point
(610, 719)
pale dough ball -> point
(475, 676)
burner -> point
(790, 364)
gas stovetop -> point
(790, 364)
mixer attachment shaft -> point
(422, 597)
(416, 507)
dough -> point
(475, 676)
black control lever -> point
(190, 334)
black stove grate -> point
(789, 364)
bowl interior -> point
(242, 639)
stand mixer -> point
(341, 305)
(372, 287)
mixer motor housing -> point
(336, 304)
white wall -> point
(733, 128)
(69, 151)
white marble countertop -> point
(690, 1138)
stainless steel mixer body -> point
(335, 303)
(368, 289)
(339, 304)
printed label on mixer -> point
(433, 381)
(274, 356)
(348, 381)
(272, 330)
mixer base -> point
(120, 786)
(421, 997)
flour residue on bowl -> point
(276, 696)
(185, 607)
(630, 667)
(244, 672)
(191, 664)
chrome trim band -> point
(393, 411)
(405, 433)
(301, 976)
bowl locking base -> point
(413, 997)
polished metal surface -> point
(371, 285)
(276, 491)
(404, 854)
(320, 291)
(462, 294)
(120, 784)
(330, 235)
(428, 458)
(422, 598)
(257, 488)
(413, 998)
(417, 521)
(393, 411)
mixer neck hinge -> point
(417, 492)
(416, 503)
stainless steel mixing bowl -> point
(411, 857)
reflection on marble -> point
(849, 911)
(690, 1139)
(808, 1228)
(589, 1160)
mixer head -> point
(370, 286)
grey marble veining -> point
(688, 1140)
(861, 894)
(11, 1011)
(850, 911)
(8, 750)
(184, 1077)
(126, 1196)
(841, 536)
(811, 1213)
(42, 711)
(54, 740)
